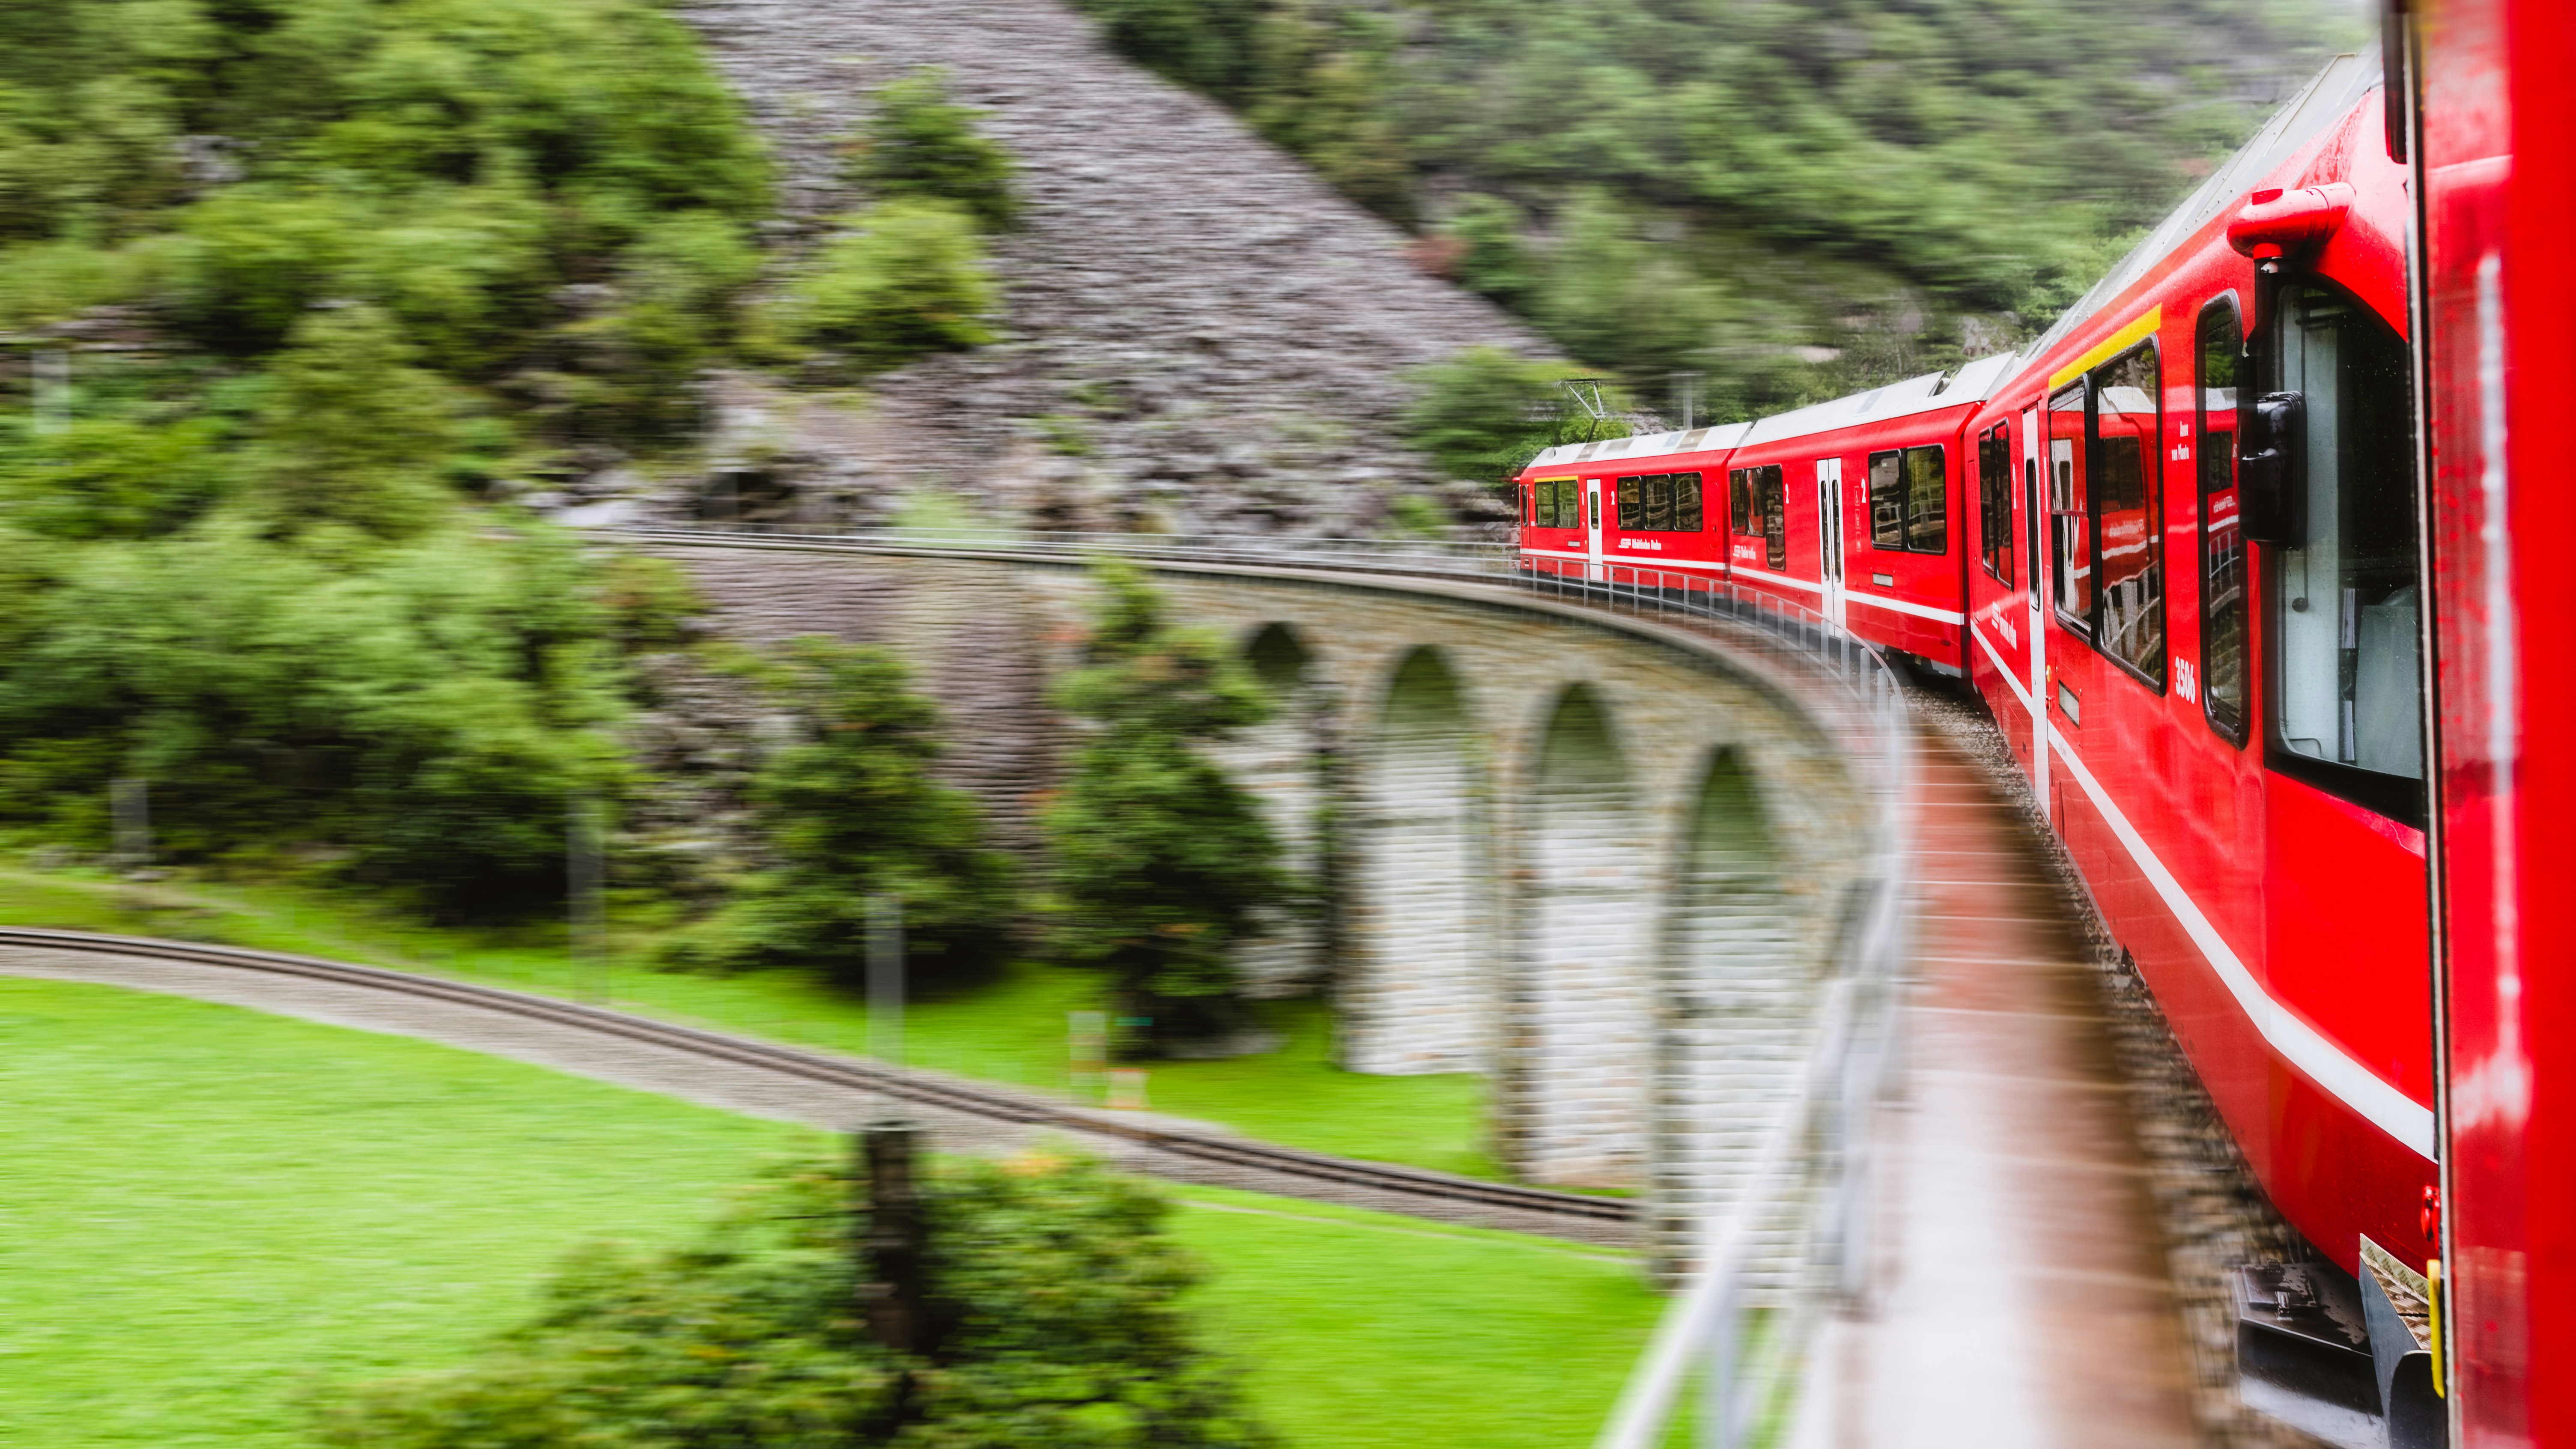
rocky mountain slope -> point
(1199, 335)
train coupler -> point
(2346, 1361)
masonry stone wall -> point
(1284, 763)
(1421, 912)
(1604, 869)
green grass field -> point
(1011, 1031)
(205, 1213)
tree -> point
(1161, 862)
(921, 145)
(421, 710)
(350, 432)
(1059, 1300)
(849, 810)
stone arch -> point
(1579, 1079)
(1738, 983)
(1283, 761)
(1416, 996)
(1277, 656)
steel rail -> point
(1395, 1182)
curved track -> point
(775, 1080)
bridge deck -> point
(2024, 1295)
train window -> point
(1909, 501)
(1886, 501)
(2128, 532)
(1927, 501)
(1739, 500)
(2222, 543)
(2070, 526)
(1660, 503)
(1773, 502)
(1994, 502)
(1553, 503)
(2345, 600)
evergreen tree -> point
(850, 811)
(1161, 862)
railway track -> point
(1185, 1156)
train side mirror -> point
(2271, 470)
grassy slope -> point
(1012, 1032)
(206, 1210)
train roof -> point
(1928, 393)
(2334, 91)
(1646, 445)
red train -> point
(2179, 545)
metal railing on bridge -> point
(1743, 1321)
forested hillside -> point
(1793, 196)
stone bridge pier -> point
(1605, 867)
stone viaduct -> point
(1605, 866)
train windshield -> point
(2346, 599)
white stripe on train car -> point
(1626, 560)
(1903, 606)
(1810, 585)
(2298, 1043)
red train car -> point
(2214, 679)
(1848, 508)
(2496, 164)
(1857, 507)
(1602, 510)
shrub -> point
(650, 602)
(256, 256)
(1483, 413)
(112, 477)
(849, 810)
(908, 279)
(1055, 1297)
(1493, 261)
(920, 145)
(676, 310)
(1162, 863)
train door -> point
(1595, 570)
(2347, 935)
(1829, 536)
(2038, 615)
